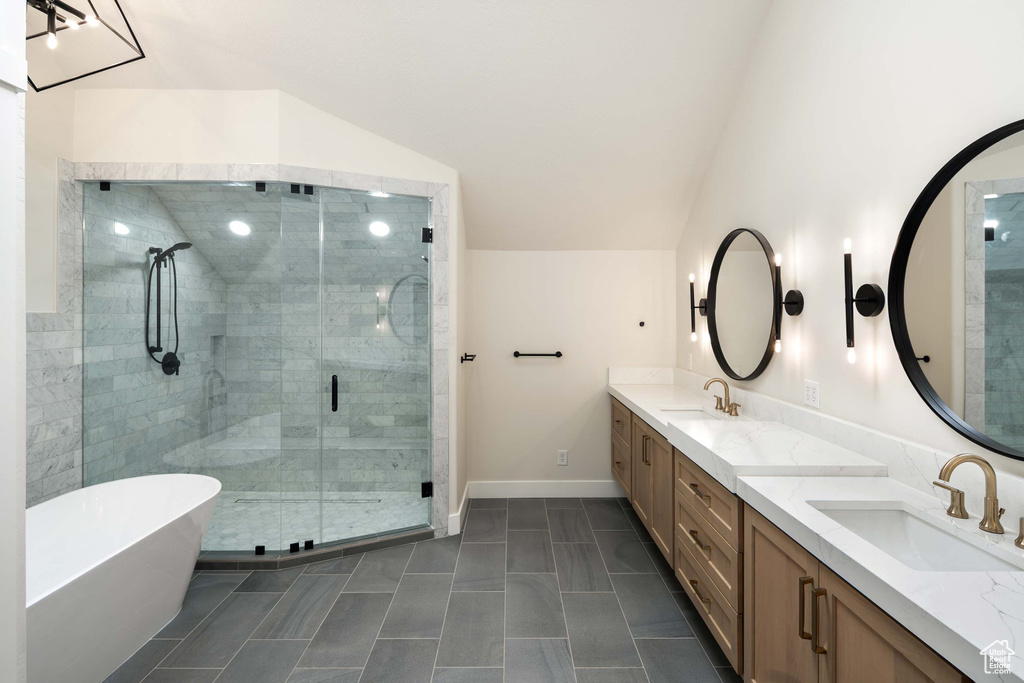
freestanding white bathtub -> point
(107, 567)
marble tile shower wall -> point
(137, 420)
(54, 362)
(1004, 356)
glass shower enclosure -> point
(299, 328)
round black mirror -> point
(956, 292)
(742, 304)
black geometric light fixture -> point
(870, 300)
(702, 306)
(71, 39)
(793, 303)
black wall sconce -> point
(870, 300)
(792, 303)
(702, 306)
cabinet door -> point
(641, 485)
(863, 643)
(662, 526)
(779, 576)
(621, 467)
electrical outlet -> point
(563, 458)
(811, 394)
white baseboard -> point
(455, 521)
(544, 489)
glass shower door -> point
(376, 363)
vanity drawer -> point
(622, 465)
(725, 624)
(713, 502)
(722, 564)
(621, 421)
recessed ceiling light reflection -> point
(379, 228)
(239, 228)
(121, 228)
(991, 196)
(379, 194)
(991, 223)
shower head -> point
(160, 255)
(180, 246)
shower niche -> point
(277, 341)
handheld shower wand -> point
(164, 259)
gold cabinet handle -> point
(646, 458)
(696, 492)
(707, 548)
(804, 582)
(618, 422)
(693, 584)
(815, 645)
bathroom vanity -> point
(713, 491)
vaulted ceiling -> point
(575, 124)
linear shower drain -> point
(357, 501)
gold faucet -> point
(1020, 537)
(990, 521)
(719, 405)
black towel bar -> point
(556, 354)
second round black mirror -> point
(742, 311)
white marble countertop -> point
(777, 469)
(728, 447)
(957, 613)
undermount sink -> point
(910, 538)
(696, 412)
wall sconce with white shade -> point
(870, 300)
(792, 303)
(695, 306)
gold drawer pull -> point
(804, 582)
(693, 584)
(707, 548)
(815, 594)
(696, 492)
(618, 422)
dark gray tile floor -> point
(534, 591)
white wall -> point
(586, 304)
(49, 135)
(268, 126)
(12, 341)
(846, 112)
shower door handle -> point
(334, 394)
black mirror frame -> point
(716, 267)
(897, 278)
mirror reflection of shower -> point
(163, 259)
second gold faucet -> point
(990, 520)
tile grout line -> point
(376, 638)
(504, 603)
(617, 601)
(328, 612)
(182, 640)
(444, 621)
(257, 627)
(565, 619)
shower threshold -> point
(227, 560)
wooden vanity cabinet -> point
(804, 624)
(651, 488)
